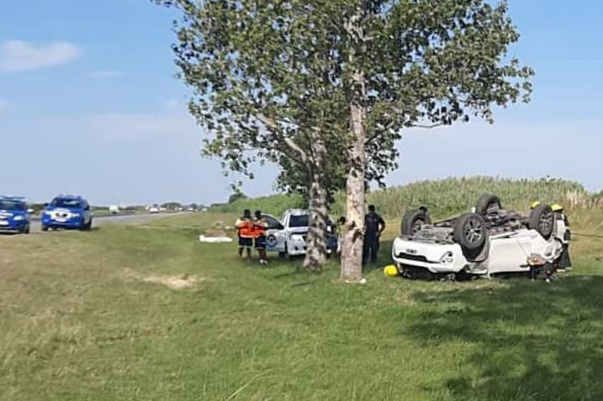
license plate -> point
(60, 220)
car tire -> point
(542, 219)
(44, 228)
(27, 230)
(413, 219)
(471, 233)
(486, 202)
(285, 253)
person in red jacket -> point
(244, 226)
(259, 229)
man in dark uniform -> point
(374, 226)
(259, 228)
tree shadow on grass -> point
(526, 341)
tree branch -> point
(272, 124)
(427, 126)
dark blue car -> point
(14, 217)
(67, 212)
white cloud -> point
(105, 74)
(18, 55)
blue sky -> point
(89, 105)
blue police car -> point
(14, 217)
(67, 212)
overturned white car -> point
(487, 241)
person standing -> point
(374, 226)
(564, 262)
(259, 230)
(244, 226)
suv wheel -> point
(470, 233)
(44, 228)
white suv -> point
(287, 236)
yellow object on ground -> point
(390, 271)
(534, 204)
(556, 207)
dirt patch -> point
(174, 282)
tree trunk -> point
(316, 242)
(351, 258)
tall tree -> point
(262, 74)
(314, 83)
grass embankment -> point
(149, 313)
(443, 197)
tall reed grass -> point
(444, 197)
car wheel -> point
(285, 253)
(541, 219)
(89, 225)
(486, 203)
(413, 219)
(470, 233)
(26, 230)
(44, 228)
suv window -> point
(300, 220)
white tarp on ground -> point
(203, 238)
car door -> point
(275, 234)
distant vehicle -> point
(114, 209)
(154, 209)
(288, 235)
(67, 212)
(14, 216)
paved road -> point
(119, 219)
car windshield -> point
(12, 205)
(300, 220)
(59, 202)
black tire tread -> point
(485, 201)
(534, 220)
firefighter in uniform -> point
(244, 226)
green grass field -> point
(149, 313)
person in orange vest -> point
(259, 230)
(244, 226)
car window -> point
(300, 220)
(12, 205)
(272, 222)
(66, 203)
